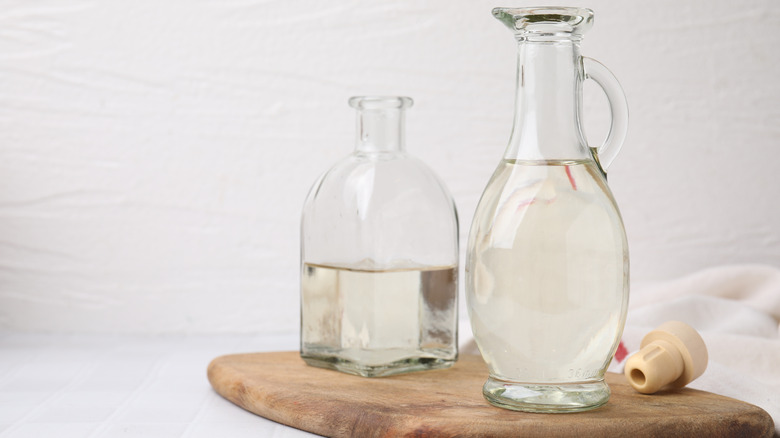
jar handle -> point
(618, 105)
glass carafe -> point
(379, 256)
(547, 260)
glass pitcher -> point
(379, 256)
(547, 260)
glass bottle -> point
(379, 256)
(547, 260)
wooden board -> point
(449, 403)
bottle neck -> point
(380, 130)
(548, 101)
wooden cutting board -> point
(449, 403)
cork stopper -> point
(672, 355)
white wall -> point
(154, 156)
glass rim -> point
(546, 19)
(380, 102)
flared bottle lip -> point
(380, 102)
(550, 21)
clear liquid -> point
(547, 279)
(378, 322)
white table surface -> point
(125, 386)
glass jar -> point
(547, 261)
(379, 256)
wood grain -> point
(449, 403)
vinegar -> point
(547, 279)
(378, 322)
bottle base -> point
(532, 397)
(401, 366)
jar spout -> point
(546, 22)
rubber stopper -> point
(672, 355)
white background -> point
(154, 156)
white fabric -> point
(737, 311)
